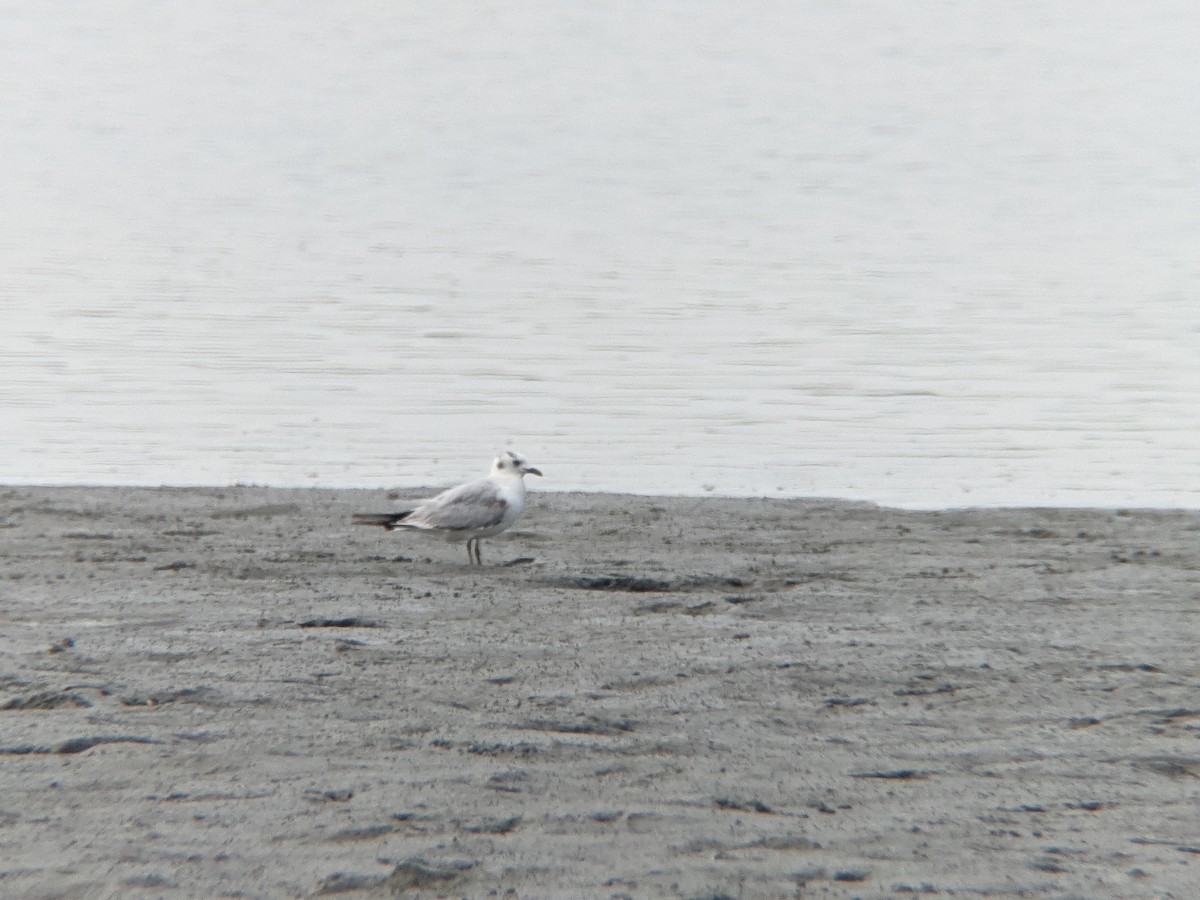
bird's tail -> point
(385, 520)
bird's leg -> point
(478, 552)
(470, 550)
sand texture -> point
(237, 693)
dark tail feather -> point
(386, 520)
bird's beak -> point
(530, 470)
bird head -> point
(509, 463)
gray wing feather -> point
(464, 508)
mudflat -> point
(237, 693)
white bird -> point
(469, 512)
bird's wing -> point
(478, 504)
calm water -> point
(923, 254)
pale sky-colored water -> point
(927, 255)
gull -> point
(469, 512)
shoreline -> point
(214, 690)
(429, 490)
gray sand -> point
(235, 692)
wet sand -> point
(235, 692)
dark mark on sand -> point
(347, 622)
(756, 806)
